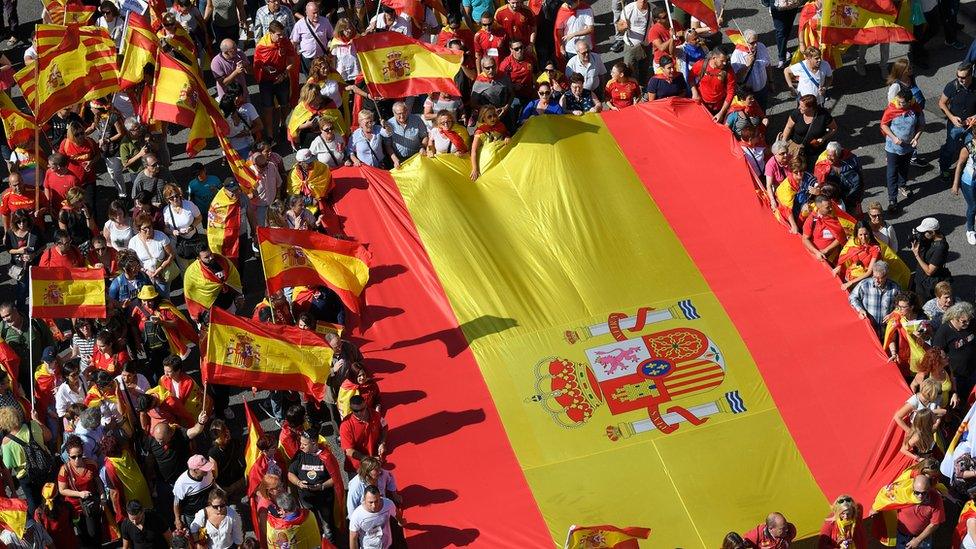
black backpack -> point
(40, 462)
(154, 334)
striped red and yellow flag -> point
(80, 67)
(138, 50)
(244, 353)
(224, 225)
(66, 12)
(395, 65)
(306, 258)
(18, 127)
(660, 352)
(13, 515)
(703, 10)
(864, 22)
(735, 36)
(57, 292)
(605, 537)
(181, 97)
(239, 167)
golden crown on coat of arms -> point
(567, 390)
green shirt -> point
(14, 456)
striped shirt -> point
(85, 348)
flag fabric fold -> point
(395, 65)
(138, 49)
(244, 353)
(305, 258)
(80, 67)
(13, 515)
(180, 96)
(18, 126)
(605, 537)
(239, 167)
(863, 22)
(703, 10)
(67, 293)
(201, 288)
(224, 225)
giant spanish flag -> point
(67, 293)
(863, 22)
(244, 353)
(599, 337)
(81, 66)
(306, 258)
(395, 65)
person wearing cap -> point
(311, 179)
(192, 488)
(180, 334)
(931, 250)
(314, 471)
(141, 530)
(667, 81)
(202, 188)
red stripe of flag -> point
(61, 273)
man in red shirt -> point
(519, 67)
(62, 253)
(713, 84)
(19, 197)
(917, 523)
(517, 21)
(58, 179)
(362, 434)
(662, 37)
(490, 41)
(775, 533)
(823, 235)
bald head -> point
(162, 432)
(776, 524)
(228, 46)
(922, 483)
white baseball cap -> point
(927, 225)
(303, 155)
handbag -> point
(187, 247)
(91, 507)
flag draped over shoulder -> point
(244, 353)
(968, 512)
(395, 65)
(80, 66)
(180, 96)
(305, 258)
(604, 537)
(13, 515)
(57, 292)
(911, 348)
(889, 500)
(224, 225)
(139, 50)
(863, 22)
(300, 531)
(303, 113)
(201, 288)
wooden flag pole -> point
(37, 134)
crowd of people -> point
(108, 433)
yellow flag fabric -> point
(863, 22)
(201, 290)
(897, 270)
(395, 65)
(18, 127)
(303, 113)
(13, 515)
(133, 482)
(139, 50)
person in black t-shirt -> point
(958, 103)
(58, 126)
(308, 473)
(143, 531)
(228, 454)
(168, 450)
(931, 251)
(956, 337)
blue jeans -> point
(783, 25)
(905, 538)
(955, 137)
(970, 195)
(897, 173)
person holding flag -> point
(212, 281)
(276, 71)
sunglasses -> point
(79, 456)
(518, 48)
(147, 228)
(544, 92)
(221, 506)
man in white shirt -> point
(633, 23)
(811, 76)
(369, 524)
(578, 27)
(191, 489)
(588, 64)
(750, 63)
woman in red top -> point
(843, 529)
(101, 256)
(622, 90)
(82, 152)
(857, 258)
(77, 481)
(105, 356)
(713, 84)
(54, 514)
(488, 130)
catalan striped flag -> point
(181, 97)
(81, 67)
(138, 49)
(652, 354)
(224, 225)
(245, 353)
(395, 65)
(67, 12)
(605, 537)
(240, 167)
(306, 258)
(863, 22)
(13, 515)
(57, 292)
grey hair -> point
(132, 124)
(286, 502)
(399, 104)
(962, 309)
(715, 52)
(779, 146)
(834, 147)
(880, 267)
(227, 45)
(749, 34)
(91, 418)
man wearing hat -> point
(192, 489)
(179, 332)
(143, 531)
(931, 251)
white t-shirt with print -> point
(373, 528)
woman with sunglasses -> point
(78, 482)
(488, 130)
(109, 20)
(24, 243)
(542, 105)
(182, 220)
(221, 523)
(154, 251)
(447, 137)
(329, 147)
(844, 528)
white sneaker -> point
(971, 237)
